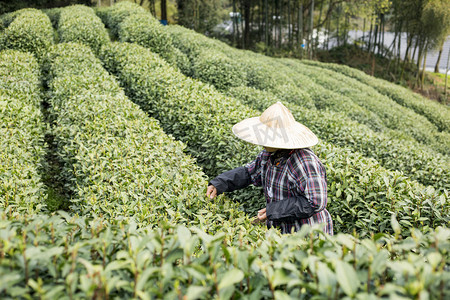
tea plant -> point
(119, 164)
(30, 30)
(415, 161)
(80, 24)
(21, 133)
(74, 257)
(435, 112)
(392, 114)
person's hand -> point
(261, 217)
(211, 192)
(262, 214)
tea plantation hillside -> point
(111, 125)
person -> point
(291, 175)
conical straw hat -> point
(275, 128)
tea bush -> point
(113, 16)
(21, 133)
(74, 257)
(362, 194)
(416, 161)
(29, 31)
(435, 112)
(392, 114)
(80, 24)
(145, 30)
(118, 162)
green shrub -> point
(145, 30)
(119, 12)
(21, 133)
(118, 162)
(435, 112)
(219, 70)
(416, 161)
(7, 18)
(30, 31)
(80, 24)
(62, 256)
(362, 194)
(393, 115)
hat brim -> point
(254, 131)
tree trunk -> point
(438, 62)
(317, 30)
(246, 43)
(280, 33)
(311, 29)
(289, 24)
(406, 59)
(345, 29)
(422, 81)
(364, 31)
(384, 29)
(328, 33)
(375, 35)
(446, 78)
(152, 7)
(419, 59)
(266, 23)
(300, 28)
(164, 10)
(337, 28)
(369, 47)
(399, 46)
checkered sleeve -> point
(254, 169)
(310, 178)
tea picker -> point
(291, 175)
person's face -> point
(268, 149)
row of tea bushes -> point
(29, 31)
(145, 30)
(51, 257)
(392, 114)
(362, 194)
(416, 161)
(21, 133)
(113, 16)
(224, 67)
(80, 24)
(7, 18)
(118, 161)
(435, 112)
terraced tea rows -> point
(147, 230)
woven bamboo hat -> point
(275, 128)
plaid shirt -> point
(298, 173)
